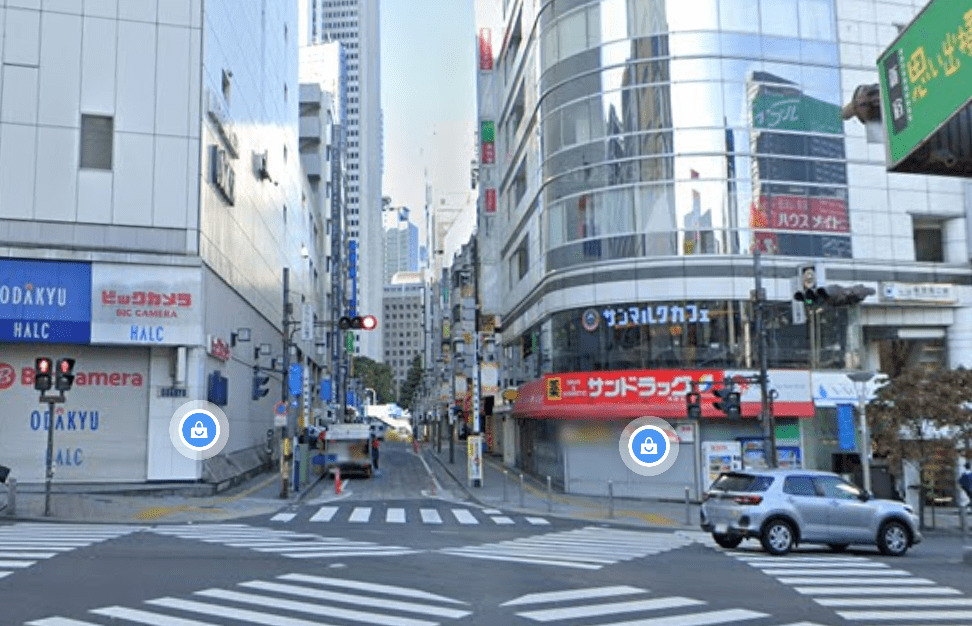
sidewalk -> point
(135, 504)
(501, 488)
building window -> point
(97, 132)
(928, 242)
(520, 261)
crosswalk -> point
(24, 544)
(281, 542)
(580, 606)
(860, 589)
(287, 600)
(590, 548)
(374, 514)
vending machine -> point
(718, 457)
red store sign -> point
(628, 394)
(219, 349)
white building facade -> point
(356, 26)
(151, 188)
(634, 154)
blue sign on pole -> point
(45, 301)
(296, 379)
(845, 427)
(326, 390)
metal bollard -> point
(521, 490)
(504, 484)
(11, 508)
(611, 499)
(688, 508)
(549, 494)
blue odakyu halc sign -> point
(45, 301)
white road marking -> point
(538, 521)
(145, 617)
(283, 517)
(395, 516)
(501, 519)
(430, 516)
(573, 594)
(463, 516)
(324, 514)
(592, 610)
(360, 514)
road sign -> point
(926, 76)
(295, 380)
(280, 408)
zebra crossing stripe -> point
(16, 563)
(283, 517)
(538, 521)
(351, 598)
(877, 591)
(906, 602)
(573, 594)
(966, 616)
(392, 590)
(145, 617)
(430, 516)
(395, 516)
(696, 619)
(502, 520)
(315, 609)
(59, 621)
(514, 559)
(324, 514)
(785, 571)
(591, 610)
(360, 514)
(5, 574)
(830, 580)
(464, 517)
(27, 555)
(225, 612)
(492, 511)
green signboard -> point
(797, 112)
(488, 132)
(926, 75)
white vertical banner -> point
(307, 323)
(474, 459)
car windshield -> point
(742, 482)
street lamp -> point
(862, 378)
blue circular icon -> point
(649, 446)
(199, 430)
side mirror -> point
(865, 495)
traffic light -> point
(42, 373)
(728, 402)
(358, 322)
(259, 382)
(693, 403)
(815, 295)
(834, 295)
(65, 374)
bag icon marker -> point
(649, 447)
(198, 431)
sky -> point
(428, 98)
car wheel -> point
(777, 537)
(893, 538)
(837, 547)
(727, 541)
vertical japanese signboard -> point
(491, 200)
(926, 75)
(485, 49)
(487, 137)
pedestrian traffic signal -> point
(834, 295)
(42, 373)
(358, 322)
(259, 384)
(815, 295)
(65, 374)
(693, 402)
(728, 402)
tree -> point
(376, 375)
(406, 397)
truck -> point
(346, 446)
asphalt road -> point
(401, 550)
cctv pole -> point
(766, 414)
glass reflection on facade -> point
(691, 334)
(685, 128)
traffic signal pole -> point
(49, 473)
(766, 413)
(284, 391)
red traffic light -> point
(65, 366)
(42, 365)
(369, 322)
(42, 374)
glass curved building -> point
(635, 153)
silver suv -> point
(786, 507)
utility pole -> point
(284, 388)
(766, 414)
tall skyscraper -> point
(354, 23)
